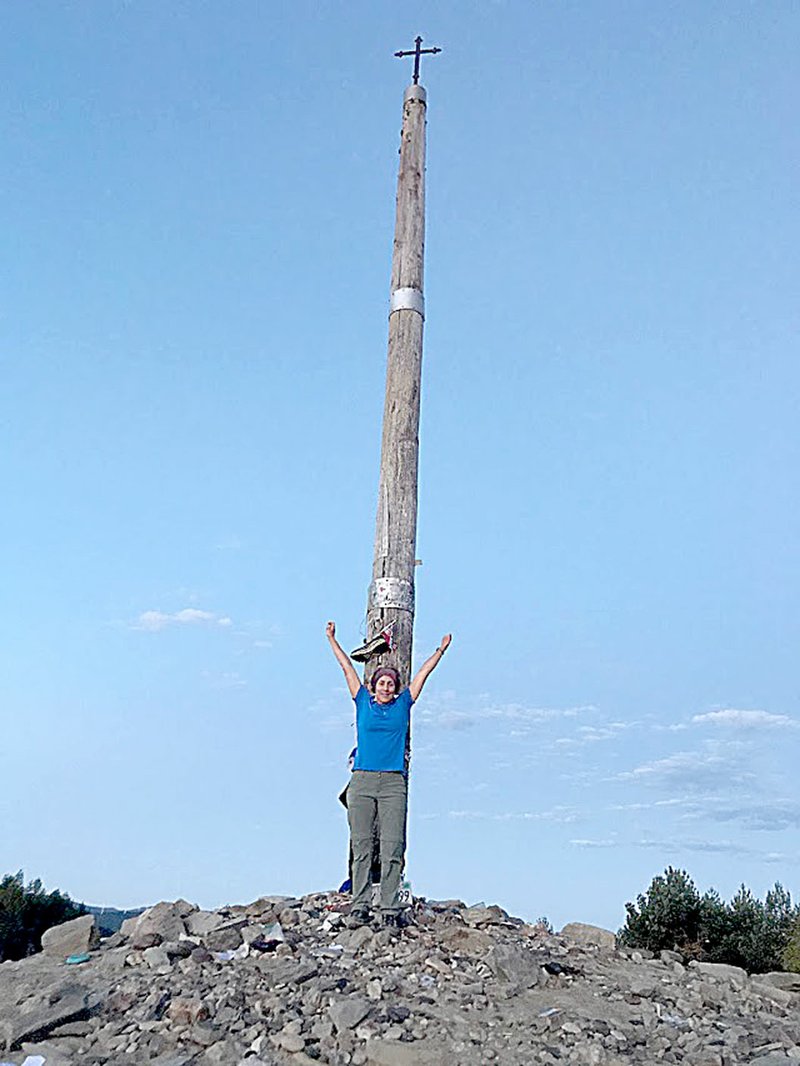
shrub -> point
(745, 932)
(26, 911)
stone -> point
(480, 915)
(249, 933)
(72, 1029)
(789, 982)
(267, 905)
(71, 938)
(40, 1020)
(346, 1013)
(395, 1053)
(772, 992)
(509, 962)
(199, 923)
(187, 1010)
(398, 1013)
(220, 1054)
(164, 921)
(354, 939)
(670, 956)
(228, 938)
(291, 1042)
(721, 971)
(201, 1033)
(157, 959)
(175, 1058)
(179, 949)
(126, 929)
(281, 971)
(472, 942)
(143, 941)
(589, 935)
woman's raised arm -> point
(428, 667)
(350, 675)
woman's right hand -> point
(330, 630)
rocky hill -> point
(294, 982)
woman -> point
(378, 789)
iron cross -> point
(418, 51)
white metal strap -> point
(407, 300)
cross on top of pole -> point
(417, 52)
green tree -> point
(755, 934)
(668, 916)
(714, 924)
(791, 953)
(26, 911)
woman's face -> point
(385, 689)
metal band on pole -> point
(393, 592)
(407, 300)
(415, 92)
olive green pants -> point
(383, 797)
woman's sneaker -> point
(360, 916)
(395, 920)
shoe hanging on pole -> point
(379, 643)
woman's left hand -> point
(445, 644)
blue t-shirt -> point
(381, 731)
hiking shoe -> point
(395, 920)
(372, 647)
(380, 643)
(358, 917)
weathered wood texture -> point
(396, 525)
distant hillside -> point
(109, 919)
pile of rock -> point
(290, 981)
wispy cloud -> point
(739, 719)
(769, 816)
(708, 847)
(594, 734)
(693, 771)
(562, 815)
(643, 806)
(446, 715)
(155, 621)
(695, 846)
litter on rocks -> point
(76, 960)
(232, 953)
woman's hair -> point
(385, 671)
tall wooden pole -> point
(391, 594)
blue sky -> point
(197, 213)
